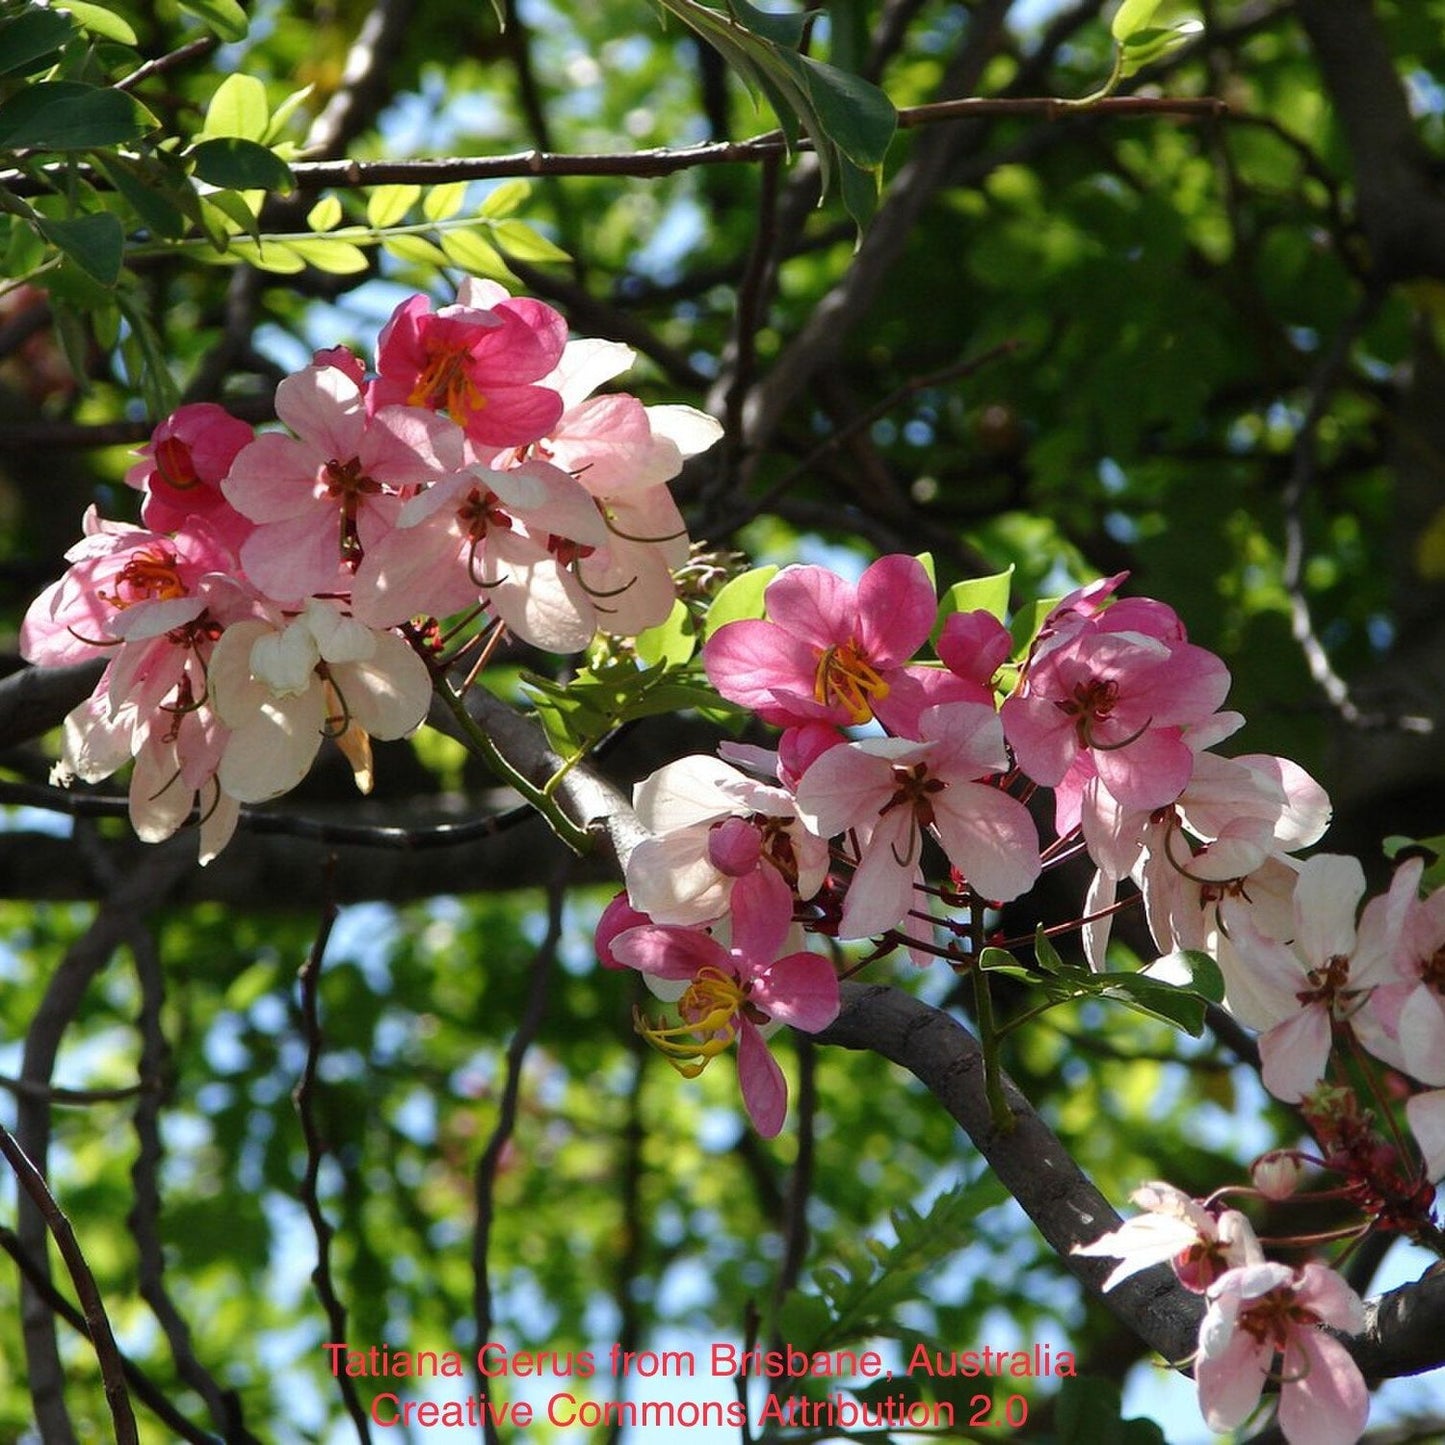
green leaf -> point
(522, 243)
(415, 249)
(502, 200)
(979, 594)
(233, 207)
(325, 215)
(388, 205)
(1027, 622)
(1145, 47)
(235, 164)
(476, 255)
(441, 203)
(95, 243)
(239, 110)
(850, 122)
(150, 191)
(224, 17)
(1131, 17)
(1178, 1006)
(283, 113)
(672, 642)
(101, 21)
(739, 599)
(268, 255)
(30, 41)
(330, 254)
(65, 115)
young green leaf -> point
(238, 109)
(325, 215)
(224, 17)
(1131, 17)
(388, 205)
(522, 243)
(501, 201)
(476, 256)
(740, 598)
(441, 203)
(101, 21)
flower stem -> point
(1003, 1118)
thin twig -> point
(485, 1178)
(304, 1098)
(112, 1371)
(181, 55)
(55, 1094)
(142, 1387)
(145, 1213)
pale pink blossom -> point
(322, 497)
(1404, 1020)
(1264, 1323)
(1426, 1115)
(710, 824)
(1321, 978)
(1120, 685)
(492, 536)
(1176, 1229)
(480, 360)
(732, 992)
(888, 790)
(281, 689)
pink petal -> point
(1323, 1400)
(670, 951)
(813, 604)
(801, 990)
(764, 1089)
(1294, 1053)
(896, 609)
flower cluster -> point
(896, 808)
(265, 603)
(1264, 1322)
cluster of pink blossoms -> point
(256, 609)
(893, 767)
(1264, 1322)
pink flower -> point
(1426, 1113)
(1120, 686)
(1175, 1229)
(709, 826)
(1264, 1323)
(479, 361)
(333, 490)
(732, 993)
(1323, 976)
(125, 582)
(495, 536)
(282, 689)
(889, 789)
(181, 469)
(830, 651)
(1405, 1017)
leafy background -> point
(1191, 347)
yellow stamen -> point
(844, 679)
(710, 1008)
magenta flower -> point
(181, 469)
(830, 651)
(1264, 1323)
(1120, 686)
(733, 993)
(479, 361)
(124, 583)
(888, 790)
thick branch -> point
(1030, 1159)
(1404, 1331)
(1401, 208)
